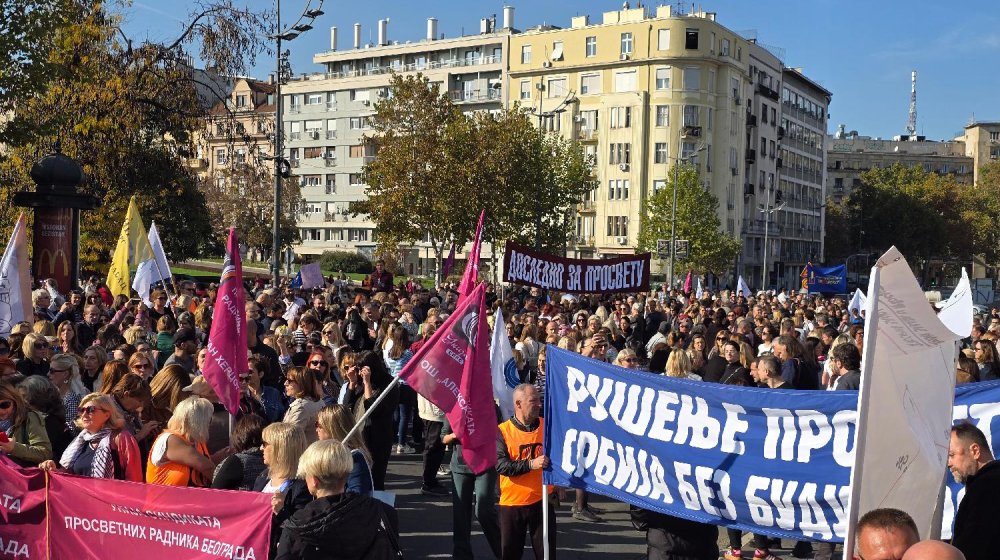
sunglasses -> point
(4, 405)
(54, 370)
(317, 363)
(631, 360)
(88, 410)
(244, 377)
(143, 366)
(41, 345)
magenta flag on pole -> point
(226, 355)
(687, 283)
(452, 370)
(472, 266)
(449, 262)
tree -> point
(980, 212)
(710, 249)
(126, 111)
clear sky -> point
(861, 50)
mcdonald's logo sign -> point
(53, 259)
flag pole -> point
(545, 521)
(368, 411)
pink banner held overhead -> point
(452, 370)
(687, 283)
(99, 518)
(472, 265)
(22, 512)
(226, 356)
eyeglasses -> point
(143, 366)
(41, 345)
(4, 405)
(88, 409)
(54, 370)
(244, 376)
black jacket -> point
(296, 497)
(678, 539)
(348, 527)
(977, 515)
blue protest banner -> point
(770, 461)
(830, 279)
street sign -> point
(663, 248)
(681, 248)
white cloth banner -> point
(502, 367)
(15, 281)
(905, 402)
(741, 288)
(956, 312)
(859, 301)
(152, 270)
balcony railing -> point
(411, 67)
(294, 135)
(756, 227)
(583, 133)
(331, 134)
(330, 161)
(476, 95)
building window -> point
(995, 136)
(617, 226)
(690, 115)
(724, 50)
(357, 123)
(691, 38)
(620, 153)
(354, 179)
(663, 115)
(357, 151)
(220, 156)
(660, 152)
(763, 147)
(658, 185)
(526, 54)
(590, 84)
(688, 152)
(692, 78)
(663, 39)
(241, 101)
(621, 117)
(525, 89)
(557, 87)
(314, 99)
(626, 43)
(763, 113)
(557, 50)
(663, 78)
(624, 81)
(312, 152)
(591, 46)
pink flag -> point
(448, 263)
(227, 343)
(687, 283)
(452, 370)
(472, 267)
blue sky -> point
(861, 50)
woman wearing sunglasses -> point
(26, 442)
(35, 349)
(102, 449)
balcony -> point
(586, 134)
(587, 206)
(330, 161)
(585, 241)
(394, 68)
(331, 134)
(751, 155)
(691, 132)
(756, 227)
(475, 95)
(749, 190)
(768, 92)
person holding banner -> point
(102, 449)
(474, 494)
(519, 463)
(179, 456)
(25, 441)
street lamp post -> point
(282, 74)
(767, 210)
(558, 110)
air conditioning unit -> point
(546, 64)
(366, 102)
(578, 118)
(625, 56)
(623, 166)
(314, 134)
(622, 241)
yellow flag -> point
(133, 248)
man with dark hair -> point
(885, 534)
(381, 279)
(971, 463)
(846, 361)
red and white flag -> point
(226, 356)
(452, 370)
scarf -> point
(102, 466)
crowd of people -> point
(110, 387)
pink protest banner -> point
(226, 353)
(22, 512)
(452, 370)
(471, 273)
(97, 518)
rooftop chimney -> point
(383, 32)
(333, 38)
(357, 35)
(508, 17)
(432, 28)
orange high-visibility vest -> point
(524, 489)
(175, 474)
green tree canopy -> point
(710, 249)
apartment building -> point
(849, 155)
(649, 90)
(325, 118)
(982, 144)
(237, 131)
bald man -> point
(933, 550)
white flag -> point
(859, 302)
(152, 270)
(502, 365)
(956, 311)
(742, 289)
(312, 276)
(15, 281)
(699, 291)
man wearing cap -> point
(185, 346)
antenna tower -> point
(911, 124)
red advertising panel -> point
(52, 242)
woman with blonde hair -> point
(167, 387)
(134, 334)
(64, 373)
(36, 355)
(102, 449)
(283, 444)
(337, 523)
(179, 456)
(627, 358)
(679, 365)
(94, 359)
(335, 422)
(44, 328)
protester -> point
(301, 386)
(64, 373)
(142, 365)
(885, 534)
(674, 538)
(94, 359)
(282, 445)
(167, 387)
(179, 456)
(26, 443)
(43, 397)
(933, 550)
(366, 377)
(240, 470)
(335, 422)
(971, 463)
(337, 523)
(102, 449)
(252, 387)
(35, 361)
(519, 463)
